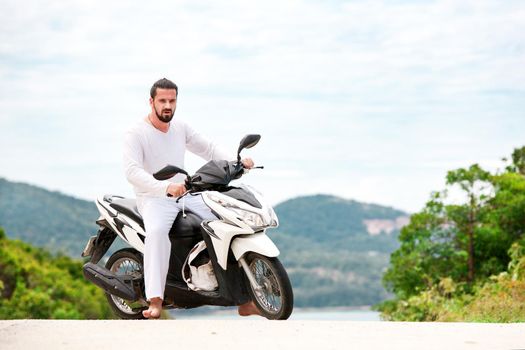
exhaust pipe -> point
(120, 286)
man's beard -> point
(163, 117)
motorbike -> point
(242, 258)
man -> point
(156, 141)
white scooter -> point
(241, 260)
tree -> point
(467, 217)
(464, 242)
(518, 161)
(428, 251)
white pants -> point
(158, 215)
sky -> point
(367, 100)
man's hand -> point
(247, 163)
(176, 190)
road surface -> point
(252, 334)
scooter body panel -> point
(258, 243)
(221, 236)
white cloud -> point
(379, 97)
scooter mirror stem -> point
(248, 141)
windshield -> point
(243, 194)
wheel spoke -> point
(270, 298)
(125, 266)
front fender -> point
(258, 243)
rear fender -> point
(105, 238)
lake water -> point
(319, 314)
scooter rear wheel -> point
(125, 262)
(275, 300)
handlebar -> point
(234, 170)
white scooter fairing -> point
(239, 219)
(124, 226)
(240, 227)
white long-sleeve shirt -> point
(147, 150)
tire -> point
(126, 262)
(275, 301)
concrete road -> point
(249, 334)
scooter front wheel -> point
(275, 297)
(125, 262)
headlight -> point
(273, 216)
(255, 220)
(252, 219)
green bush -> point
(499, 299)
(34, 284)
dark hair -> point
(163, 84)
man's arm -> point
(134, 168)
(198, 144)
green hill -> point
(325, 243)
(330, 256)
(46, 219)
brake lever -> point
(247, 170)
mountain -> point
(335, 250)
(52, 220)
(332, 221)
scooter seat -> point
(188, 226)
(128, 207)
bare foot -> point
(154, 310)
(248, 309)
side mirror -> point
(248, 141)
(168, 172)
